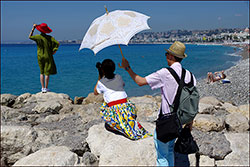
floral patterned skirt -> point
(122, 117)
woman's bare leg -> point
(42, 80)
(46, 81)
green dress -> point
(46, 45)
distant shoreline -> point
(186, 43)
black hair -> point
(108, 67)
(178, 59)
(99, 67)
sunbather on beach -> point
(215, 77)
(117, 111)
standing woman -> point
(46, 48)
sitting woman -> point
(117, 111)
(215, 77)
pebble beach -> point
(236, 92)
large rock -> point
(117, 150)
(240, 155)
(203, 106)
(91, 98)
(206, 123)
(244, 109)
(46, 138)
(8, 99)
(52, 118)
(212, 144)
(52, 156)
(89, 159)
(202, 161)
(49, 96)
(20, 99)
(88, 112)
(215, 110)
(10, 114)
(147, 108)
(48, 106)
(229, 107)
(210, 100)
(16, 142)
(69, 131)
(237, 122)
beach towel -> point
(225, 81)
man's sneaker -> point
(44, 90)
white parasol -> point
(116, 27)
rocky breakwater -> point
(45, 123)
(50, 129)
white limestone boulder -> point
(203, 106)
(206, 123)
(7, 99)
(239, 143)
(16, 142)
(147, 107)
(244, 109)
(203, 161)
(20, 99)
(116, 150)
(230, 107)
(91, 98)
(237, 122)
(52, 156)
(210, 100)
(48, 106)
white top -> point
(163, 79)
(112, 89)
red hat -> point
(43, 28)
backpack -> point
(186, 101)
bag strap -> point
(181, 83)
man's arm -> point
(138, 79)
(32, 31)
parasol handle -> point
(106, 9)
(121, 50)
(122, 56)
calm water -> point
(77, 74)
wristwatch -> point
(127, 68)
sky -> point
(71, 19)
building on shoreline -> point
(193, 36)
(221, 35)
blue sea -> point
(77, 74)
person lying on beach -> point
(117, 111)
(217, 76)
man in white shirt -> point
(164, 80)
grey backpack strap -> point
(181, 84)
